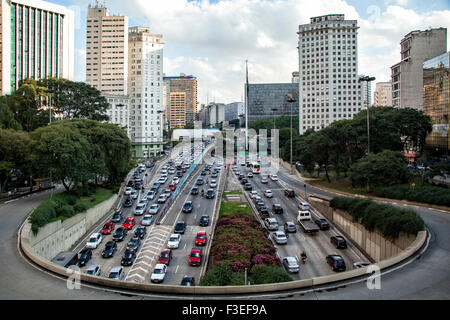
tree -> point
(7, 120)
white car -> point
(271, 223)
(154, 208)
(253, 194)
(174, 241)
(268, 194)
(151, 195)
(162, 180)
(274, 177)
(94, 270)
(128, 191)
(162, 199)
(140, 208)
(134, 194)
(264, 180)
(213, 183)
(291, 264)
(159, 273)
(176, 180)
(280, 237)
(117, 273)
(94, 240)
(171, 171)
(147, 220)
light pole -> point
(367, 79)
(291, 100)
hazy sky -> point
(211, 39)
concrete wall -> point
(62, 235)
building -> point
(365, 87)
(436, 102)
(180, 100)
(235, 113)
(406, 76)
(295, 77)
(118, 111)
(215, 115)
(145, 84)
(106, 51)
(382, 96)
(271, 100)
(328, 64)
(37, 41)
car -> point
(274, 177)
(322, 224)
(117, 217)
(248, 186)
(260, 205)
(110, 249)
(194, 191)
(249, 175)
(134, 244)
(137, 186)
(180, 227)
(210, 194)
(94, 270)
(280, 237)
(108, 228)
(256, 198)
(277, 208)
(116, 273)
(264, 213)
(264, 180)
(204, 221)
(214, 175)
(151, 195)
(162, 198)
(289, 193)
(291, 264)
(336, 262)
(147, 220)
(199, 182)
(213, 183)
(94, 240)
(171, 171)
(154, 209)
(289, 226)
(172, 187)
(166, 193)
(195, 257)
(165, 257)
(140, 208)
(188, 207)
(140, 232)
(271, 223)
(188, 281)
(120, 234)
(253, 193)
(158, 273)
(203, 173)
(128, 191)
(201, 239)
(339, 242)
(360, 264)
(241, 176)
(268, 194)
(128, 202)
(156, 185)
(174, 241)
(84, 256)
(129, 223)
(128, 258)
(244, 181)
(134, 195)
(176, 180)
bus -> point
(255, 167)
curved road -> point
(426, 277)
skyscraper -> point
(37, 41)
(145, 88)
(328, 71)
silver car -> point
(94, 270)
(280, 237)
(147, 220)
(154, 208)
(291, 264)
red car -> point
(129, 223)
(172, 186)
(195, 257)
(108, 228)
(165, 257)
(200, 239)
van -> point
(303, 206)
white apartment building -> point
(328, 71)
(145, 88)
(36, 41)
(382, 95)
(118, 111)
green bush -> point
(80, 207)
(221, 276)
(425, 194)
(262, 274)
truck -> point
(304, 220)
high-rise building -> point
(436, 102)
(328, 66)
(106, 51)
(118, 111)
(180, 100)
(382, 96)
(36, 41)
(145, 88)
(406, 76)
(295, 77)
(366, 87)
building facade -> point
(271, 100)
(382, 96)
(436, 102)
(106, 51)
(37, 41)
(234, 111)
(145, 83)
(328, 65)
(118, 111)
(407, 75)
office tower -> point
(436, 103)
(145, 88)
(407, 75)
(106, 51)
(328, 67)
(180, 100)
(37, 41)
(382, 96)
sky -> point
(212, 39)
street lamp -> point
(291, 100)
(367, 79)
